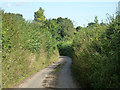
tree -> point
(78, 28)
(94, 24)
(102, 23)
(66, 28)
(59, 19)
(52, 26)
(96, 20)
(39, 15)
(91, 24)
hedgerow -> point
(26, 48)
(96, 61)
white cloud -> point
(19, 3)
(9, 5)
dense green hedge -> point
(65, 48)
(96, 59)
(26, 48)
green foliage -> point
(96, 20)
(96, 58)
(37, 39)
(65, 48)
(66, 28)
(62, 29)
(78, 28)
(26, 48)
(95, 23)
(52, 26)
(39, 15)
(102, 23)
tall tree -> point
(96, 20)
(66, 28)
(39, 15)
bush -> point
(96, 56)
(27, 47)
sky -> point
(79, 11)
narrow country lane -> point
(45, 77)
(65, 79)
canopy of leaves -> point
(78, 28)
(39, 15)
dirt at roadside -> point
(51, 79)
(61, 77)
